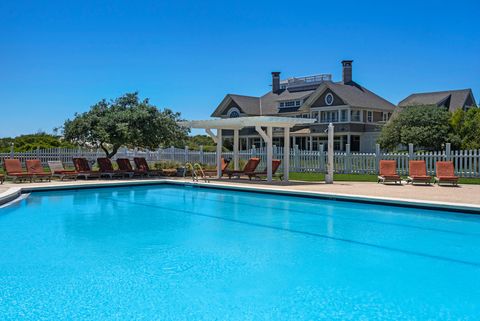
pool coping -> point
(14, 192)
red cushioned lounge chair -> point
(142, 165)
(388, 172)
(2, 178)
(417, 170)
(13, 169)
(83, 168)
(125, 165)
(213, 172)
(58, 170)
(275, 165)
(446, 173)
(106, 168)
(250, 167)
(35, 168)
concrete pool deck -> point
(445, 196)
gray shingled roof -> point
(358, 96)
(248, 104)
(457, 98)
(352, 94)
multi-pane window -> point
(369, 116)
(385, 116)
(343, 115)
(355, 115)
(290, 103)
(316, 115)
(329, 116)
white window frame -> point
(369, 116)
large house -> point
(357, 113)
(451, 99)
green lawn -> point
(315, 177)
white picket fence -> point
(467, 162)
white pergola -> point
(259, 123)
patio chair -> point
(388, 172)
(125, 165)
(2, 178)
(275, 165)
(446, 173)
(417, 172)
(106, 168)
(142, 165)
(83, 168)
(250, 167)
(13, 169)
(58, 170)
(213, 172)
(35, 168)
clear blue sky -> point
(58, 58)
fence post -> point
(185, 157)
(202, 161)
(448, 151)
(348, 164)
(322, 157)
(378, 156)
(410, 151)
(297, 159)
(12, 150)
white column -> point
(329, 176)
(235, 148)
(219, 152)
(269, 153)
(267, 137)
(286, 154)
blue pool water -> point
(170, 252)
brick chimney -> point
(347, 71)
(275, 82)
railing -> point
(467, 162)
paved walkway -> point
(465, 194)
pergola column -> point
(235, 148)
(217, 139)
(219, 153)
(286, 154)
(267, 137)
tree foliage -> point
(427, 127)
(465, 127)
(125, 121)
(25, 143)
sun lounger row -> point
(35, 171)
(445, 173)
(248, 170)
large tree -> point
(465, 128)
(423, 126)
(125, 121)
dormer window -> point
(290, 103)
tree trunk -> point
(109, 154)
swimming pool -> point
(170, 252)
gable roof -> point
(351, 93)
(457, 98)
(248, 104)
